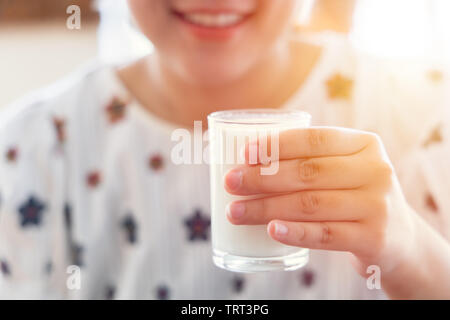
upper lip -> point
(211, 11)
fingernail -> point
(236, 210)
(234, 179)
(280, 229)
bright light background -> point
(387, 28)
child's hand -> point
(339, 192)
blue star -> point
(77, 255)
(198, 226)
(238, 284)
(130, 228)
(4, 268)
(31, 212)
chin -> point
(215, 71)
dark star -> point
(31, 212)
(130, 227)
(238, 284)
(68, 216)
(77, 255)
(116, 110)
(162, 292)
(198, 226)
(48, 268)
(307, 278)
(110, 292)
(4, 267)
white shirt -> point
(86, 179)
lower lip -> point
(211, 33)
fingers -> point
(340, 236)
(323, 205)
(310, 142)
(339, 172)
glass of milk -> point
(248, 248)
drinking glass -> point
(248, 248)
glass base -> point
(253, 264)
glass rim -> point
(239, 116)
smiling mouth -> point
(212, 20)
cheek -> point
(151, 17)
(276, 16)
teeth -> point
(214, 20)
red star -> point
(116, 110)
(156, 162)
(307, 278)
(60, 127)
(431, 203)
(93, 179)
(11, 154)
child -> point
(86, 177)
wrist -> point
(411, 271)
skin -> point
(335, 188)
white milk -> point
(243, 241)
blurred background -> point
(37, 48)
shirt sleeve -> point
(32, 237)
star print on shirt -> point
(434, 137)
(11, 154)
(4, 267)
(431, 203)
(48, 268)
(116, 110)
(130, 227)
(238, 284)
(77, 255)
(198, 226)
(60, 128)
(435, 76)
(68, 216)
(162, 292)
(307, 278)
(110, 292)
(93, 179)
(156, 162)
(339, 87)
(31, 212)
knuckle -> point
(308, 201)
(265, 209)
(325, 236)
(308, 170)
(316, 138)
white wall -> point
(33, 56)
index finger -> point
(309, 143)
